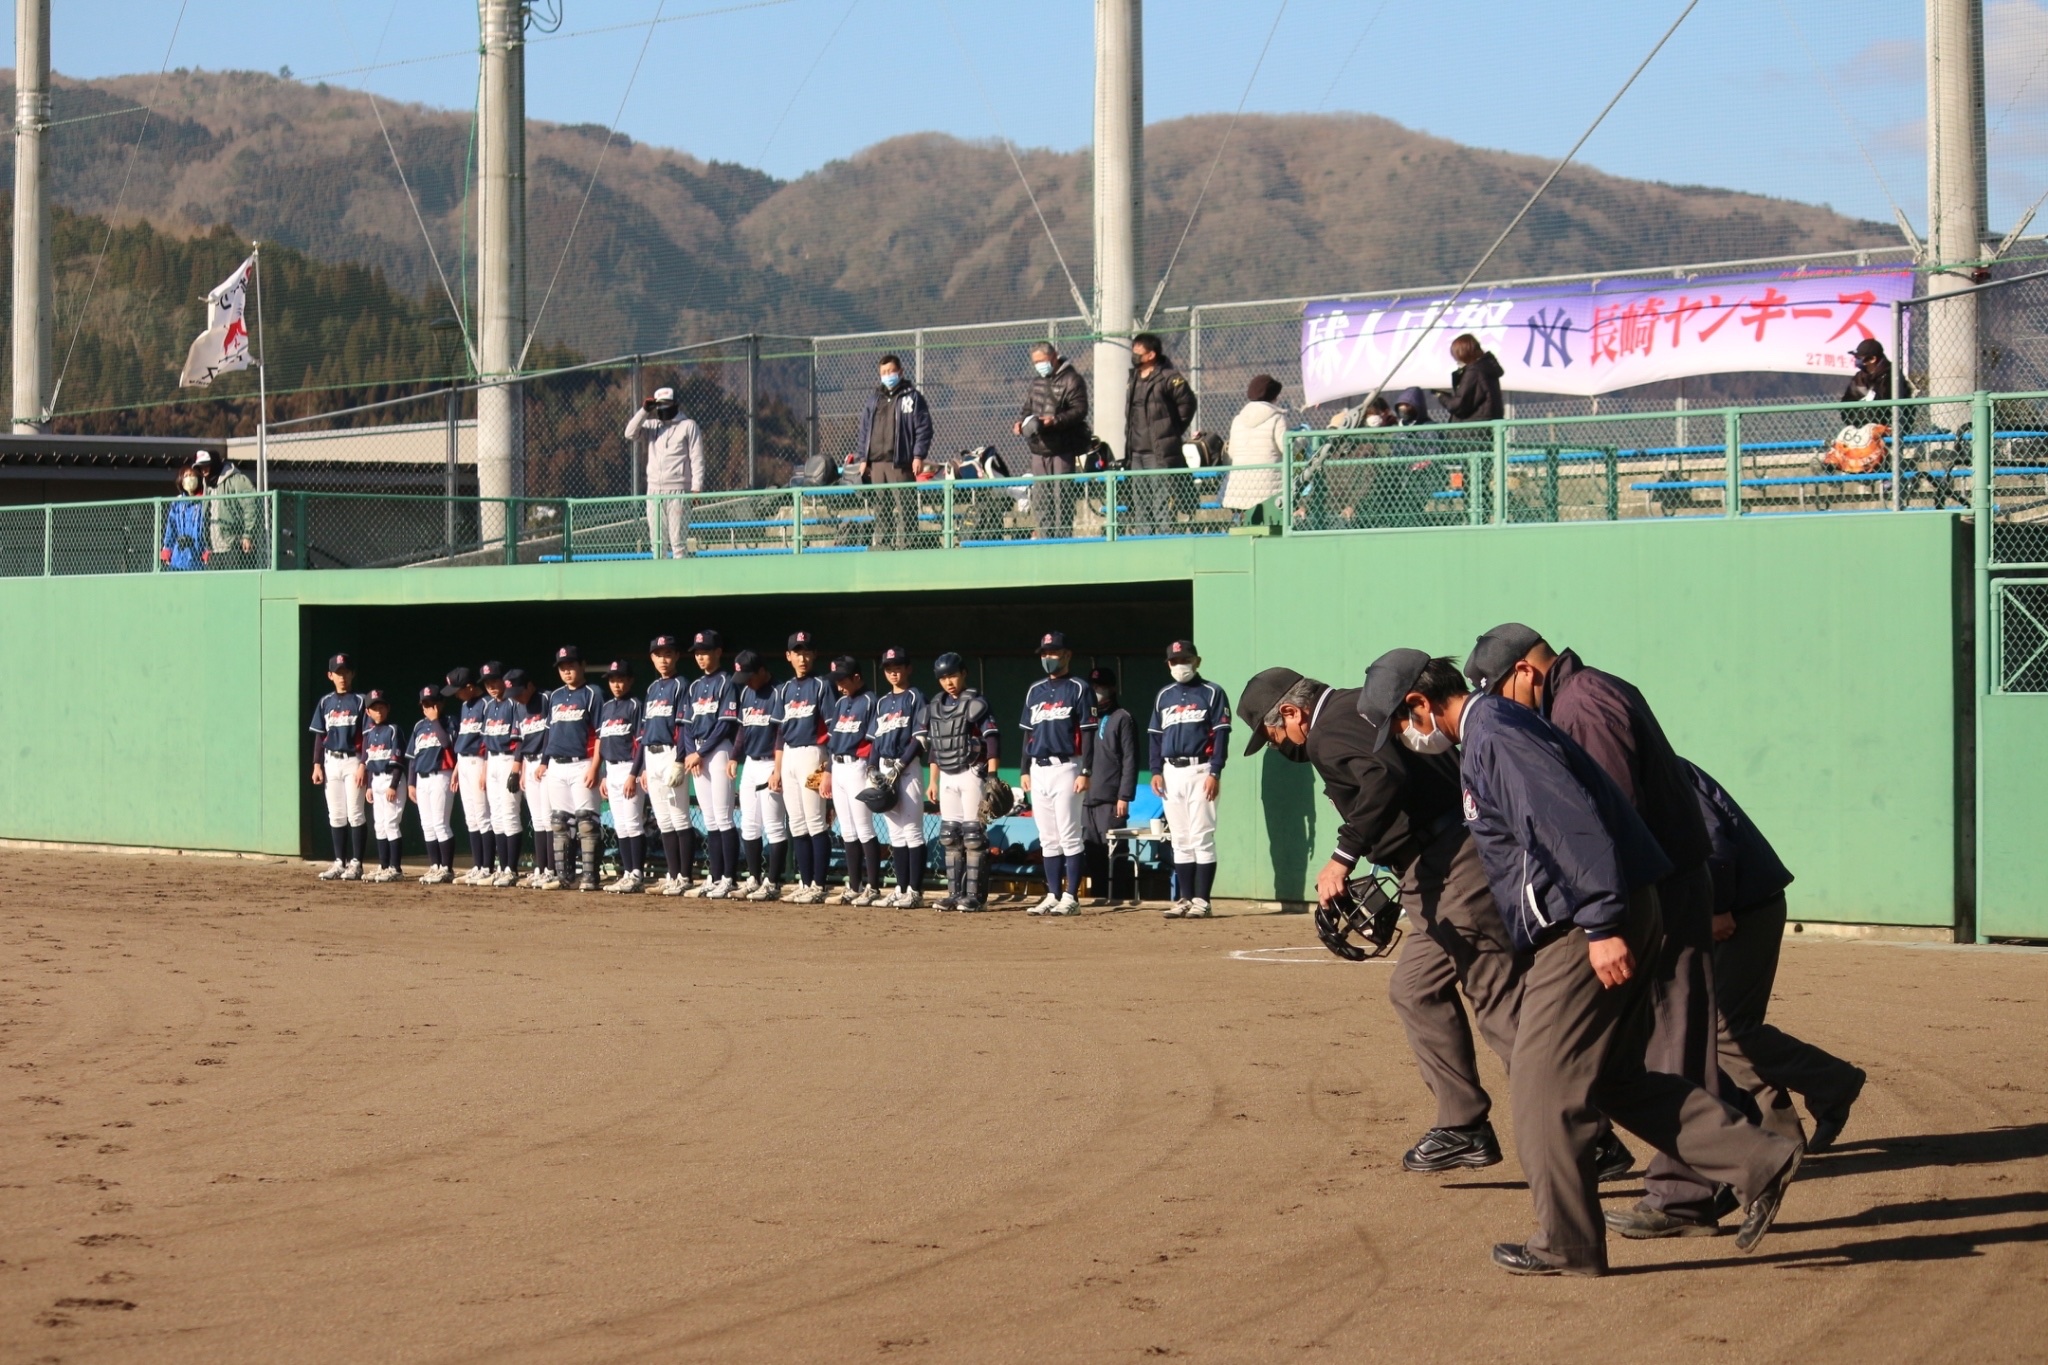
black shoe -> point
(1517, 1259)
(1763, 1211)
(1612, 1160)
(1443, 1148)
(1640, 1224)
(1829, 1121)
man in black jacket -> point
(894, 439)
(1112, 784)
(1054, 425)
(1158, 410)
(1872, 383)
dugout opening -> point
(402, 648)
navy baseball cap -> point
(947, 664)
(620, 669)
(1388, 681)
(706, 639)
(458, 678)
(1102, 677)
(1183, 649)
(568, 654)
(340, 663)
(491, 670)
(1052, 642)
(377, 697)
(514, 676)
(747, 662)
(895, 654)
(661, 642)
(801, 640)
(430, 696)
(1494, 654)
(846, 666)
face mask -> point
(1044, 368)
(1052, 664)
(891, 380)
(1103, 699)
(1291, 751)
(1435, 742)
(1376, 420)
(1182, 673)
(190, 483)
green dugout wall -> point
(1817, 665)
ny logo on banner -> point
(1554, 332)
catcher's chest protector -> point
(955, 730)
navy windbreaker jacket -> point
(1746, 869)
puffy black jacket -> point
(1475, 391)
(1747, 871)
(1870, 386)
(1060, 403)
(1158, 411)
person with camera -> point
(1054, 425)
(675, 464)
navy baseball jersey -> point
(501, 725)
(533, 725)
(618, 731)
(338, 718)
(572, 724)
(429, 749)
(712, 715)
(469, 728)
(757, 721)
(1191, 720)
(896, 725)
(381, 757)
(801, 706)
(658, 728)
(1058, 713)
(846, 723)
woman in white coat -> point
(1256, 434)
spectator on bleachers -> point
(1475, 385)
(1411, 408)
(675, 465)
(1054, 425)
(895, 437)
(1872, 383)
(183, 544)
(231, 522)
(1258, 436)
(1159, 410)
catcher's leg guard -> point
(588, 836)
(973, 859)
(565, 847)
(956, 858)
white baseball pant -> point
(436, 804)
(806, 809)
(761, 815)
(671, 804)
(856, 822)
(905, 819)
(1056, 807)
(476, 802)
(566, 792)
(502, 790)
(343, 792)
(538, 807)
(713, 788)
(960, 796)
(629, 813)
(389, 815)
(1190, 816)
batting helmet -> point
(1364, 922)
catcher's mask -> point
(1364, 922)
(997, 799)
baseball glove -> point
(816, 780)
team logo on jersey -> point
(615, 728)
(1183, 714)
(1471, 807)
(660, 708)
(1051, 712)
(703, 706)
(889, 721)
(847, 725)
(472, 727)
(533, 725)
(380, 753)
(341, 720)
(799, 710)
(567, 712)
(756, 715)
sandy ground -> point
(249, 1117)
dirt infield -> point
(250, 1117)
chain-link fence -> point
(214, 533)
(2019, 635)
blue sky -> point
(1772, 96)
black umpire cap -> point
(846, 666)
(458, 678)
(1261, 695)
(1388, 681)
(747, 663)
(1495, 654)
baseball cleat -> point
(551, 880)
(764, 891)
(431, 875)
(971, 907)
(588, 882)
(1175, 910)
(813, 894)
(1066, 905)
(674, 886)
(720, 890)
(1197, 909)
(945, 903)
(627, 884)
(745, 890)
(334, 871)
(506, 877)
(847, 893)
(1442, 1149)
(353, 872)
(866, 896)
(1046, 906)
(913, 899)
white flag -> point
(224, 345)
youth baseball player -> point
(618, 745)
(661, 756)
(964, 747)
(471, 777)
(800, 771)
(846, 725)
(502, 717)
(898, 741)
(764, 833)
(384, 765)
(533, 740)
(568, 765)
(710, 727)
(1059, 746)
(1190, 739)
(337, 728)
(430, 759)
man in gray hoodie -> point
(675, 464)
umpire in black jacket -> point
(1112, 782)
(1158, 410)
(1401, 810)
(1054, 425)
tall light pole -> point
(1955, 195)
(32, 287)
(1119, 203)
(501, 258)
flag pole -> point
(262, 381)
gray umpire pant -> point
(1769, 1063)
(1578, 1055)
(1455, 937)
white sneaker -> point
(746, 888)
(1197, 909)
(431, 875)
(698, 890)
(720, 890)
(846, 895)
(1067, 906)
(353, 872)
(674, 886)
(765, 891)
(444, 875)
(866, 897)
(334, 871)
(806, 894)
(684, 886)
(910, 899)
(505, 877)
(550, 880)
(1046, 906)
(628, 884)
(1175, 910)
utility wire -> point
(1345, 65)
(797, 93)
(1898, 213)
(1080, 301)
(1555, 171)
(610, 135)
(1214, 162)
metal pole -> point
(811, 423)
(639, 443)
(917, 358)
(262, 379)
(1731, 494)
(1955, 195)
(32, 287)
(1119, 205)
(1983, 547)
(753, 411)
(454, 473)
(1898, 382)
(501, 258)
